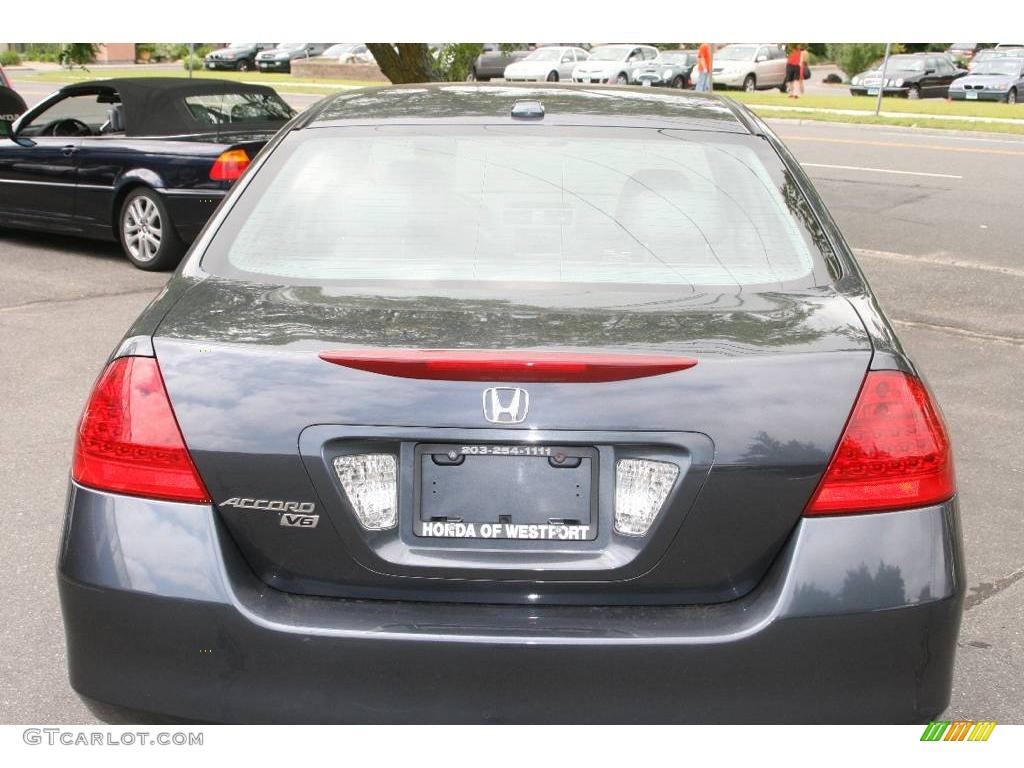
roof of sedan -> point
(152, 104)
(563, 105)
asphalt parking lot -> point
(935, 216)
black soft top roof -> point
(155, 106)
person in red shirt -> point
(795, 63)
(704, 57)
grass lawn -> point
(913, 122)
(938, 107)
(278, 80)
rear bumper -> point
(190, 209)
(855, 622)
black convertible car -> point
(144, 160)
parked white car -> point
(750, 66)
(551, 63)
(613, 63)
(348, 53)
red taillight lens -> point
(128, 439)
(229, 165)
(894, 453)
(504, 365)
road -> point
(936, 219)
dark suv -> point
(240, 56)
(280, 58)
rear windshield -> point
(524, 205)
(224, 108)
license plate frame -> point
(971, 95)
(872, 91)
(505, 492)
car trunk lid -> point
(750, 428)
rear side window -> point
(501, 204)
(224, 108)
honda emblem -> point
(506, 405)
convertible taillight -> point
(894, 453)
(229, 165)
(129, 441)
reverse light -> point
(128, 439)
(370, 481)
(505, 365)
(641, 487)
(894, 452)
(229, 165)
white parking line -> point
(882, 170)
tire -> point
(914, 92)
(242, 66)
(622, 79)
(1011, 97)
(677, 82)
(146, 232)
(552, 76)
(750, 84)
(471, 77)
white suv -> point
(749, 66)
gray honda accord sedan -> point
(533, 404)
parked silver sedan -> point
(551, 63)
(614, 64)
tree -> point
(78, 54)
(454, 61)
(404, 62)
(419, 63)
(854, 58)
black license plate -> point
(506, 491)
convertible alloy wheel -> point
(913, 92)
(622, 79)
(147, 235)
(750, 84)
(243, 66)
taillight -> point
(894, 453)
(128, 439)
(506, 365)
(229, 165)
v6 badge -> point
(294, 520)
